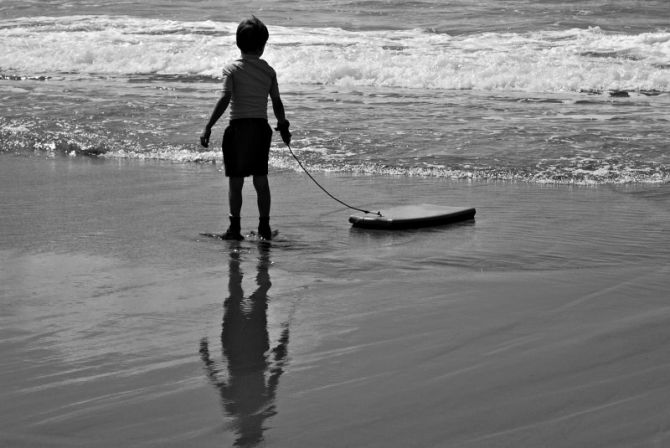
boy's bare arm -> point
(282, 122)
(219, 109)
(278, 109)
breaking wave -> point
(542, 61)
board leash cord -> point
(378, 213)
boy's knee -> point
(261, 183)
(236, 183)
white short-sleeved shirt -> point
(249, 80)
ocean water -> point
(536, 91)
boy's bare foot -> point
(265, 232)
(232, 235)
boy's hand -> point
(283, 130)
(204, 137)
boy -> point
(247, 82)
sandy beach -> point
(543, 322)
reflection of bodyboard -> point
(411, 216)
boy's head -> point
(252, 35)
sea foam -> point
(548, 61)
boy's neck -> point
(254, 54)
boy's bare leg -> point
(235, 185)
(263, 195)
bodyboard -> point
(412, 216)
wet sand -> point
(544, 322)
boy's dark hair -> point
(252, 35)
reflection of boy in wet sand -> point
(248, 392)
(247, 82)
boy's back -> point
(249, 80)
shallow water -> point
(508, 136)
(557, 221)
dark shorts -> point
(246, 147)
